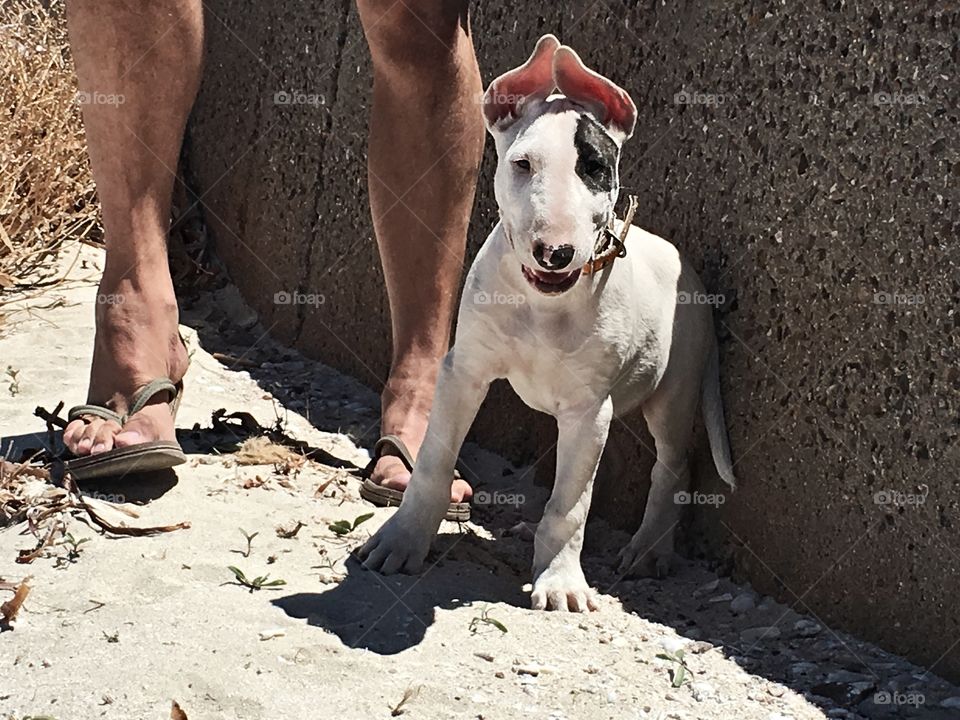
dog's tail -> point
(712, 404)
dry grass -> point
(46, 190)
(29, 494)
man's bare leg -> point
(147, 55)
(426, 139)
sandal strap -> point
(400, 451)
(140, 400)
(146, 393)
(388, 441)
(96, 410)
(398, 446)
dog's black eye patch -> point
(596, 155)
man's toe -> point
(104, 436)
(460, 491)
(154, 422)
(391, 473)
(72, 434)
(85, 439)
(128, 438)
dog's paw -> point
(638, 560)
(401, 545)
(565, 590)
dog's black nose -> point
(553, 258)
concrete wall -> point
(804, 155)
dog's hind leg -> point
(670, 414)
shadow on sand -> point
(390, 614)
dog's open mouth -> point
(551, 283)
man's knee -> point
(412, 32)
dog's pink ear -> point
(609, 102)
(504, 100)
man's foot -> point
(406, 408)
(137, 341)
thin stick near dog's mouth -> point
(551, 283)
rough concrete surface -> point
(126, 625)
(804, 155)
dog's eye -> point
(593, 167)
(522, 164)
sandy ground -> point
(130, 624)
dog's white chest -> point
(552, 386)
(556, 363)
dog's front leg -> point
(558, 581)
(403, 542)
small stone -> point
(702, 691)
(803, 668)
(706, 588)
(767, 603)
(744, 602)
(672, 644)
(700, 647)
(845, 676)
(806, 628)
(775, 690)
(611, 696)
(726, 597)
(751, 636)
(903, 681)
(952, 703)
(843, 693)
(531, 669)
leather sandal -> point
(135, 459)
(381, 496)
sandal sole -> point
(388, 497)
(133, 460)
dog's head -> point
(557, 175)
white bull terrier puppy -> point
(580, 330)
